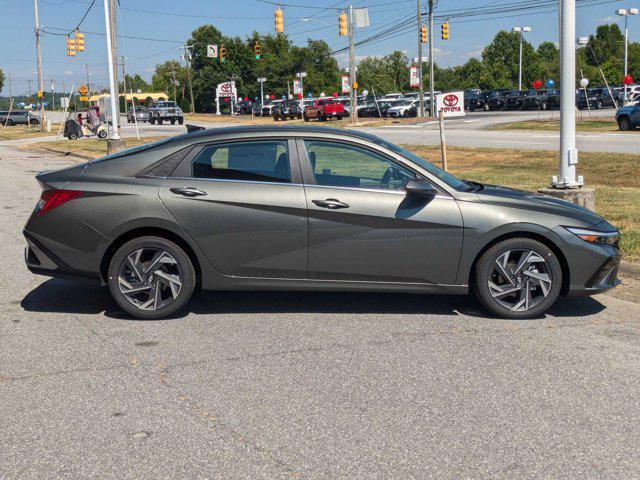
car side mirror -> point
(420, 188)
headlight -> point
(594, 236)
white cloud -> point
(69, 73)
(609, 19)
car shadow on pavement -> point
(62, 296)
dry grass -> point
(584, 124)
(616, 178)
(18, 132)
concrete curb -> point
(631, 269)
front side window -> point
(344, 165)
(263, 161)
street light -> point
(623, 12)
(521, 31)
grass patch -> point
(553, 125)
(90, 147)
(18, 132)
(615, 176)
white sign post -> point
(346, 87)
(451, 104)
(212, 51)
(225, 90)
(414, 80)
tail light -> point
(51, 199)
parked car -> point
(165, 110)
(287, 110)
(553, 99)
(244, 107)
(401, 109)
(535, 100)
(475, 101)
(141, 114)
(256, 108)
(598, 98)
(496, 100)
(267, 108)
(628, 117)
(514, 100)
(18, 117)
(392, 96)
(318, 217)
(323, 109)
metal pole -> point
(626, 48)
(568, 151)
(187, 58)
(86, 66)
(432, 103)
(261, 96)
(520, 64)
(39, 60)
(353, 107)
(420, 86)
(113, 91)
(124, 88)
(112, 21)
(443, 141)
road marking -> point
(515, 141)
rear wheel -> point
(173, 121)
(624, 124)
(10, 123)
(102, 134)
(599, 104)
(151, 277)
(180, 120)
(72, 136)
(486, 107)
(306, 119)
(152, 121)
(518, 278)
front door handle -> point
(188, 192)
(330, 203)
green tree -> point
(606, 44)
(1, 79)
(170, 77)
(383, 75)
(501, 62)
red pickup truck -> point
(324, 108)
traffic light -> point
(71, 47)
(423, 34)
(342, 24)
(256, 50)
(79, 41)
(222, 53)
(279, 21)
(445, 31)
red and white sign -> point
(346, 88)
(414, 80)
(297, 88)
(452, 104)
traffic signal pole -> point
(420, 86)
(43, 119)
(353, 107)
(432, 103)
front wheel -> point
(486, 107)
(151, 277)
(72, 136)
(518, 278)
(306, 119)
(624, 124)
(180, 120)
(102, 134)
(9, 123)
(173, 121)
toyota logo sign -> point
(450, 100)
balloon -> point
(246, 99)
(537, 84)
(335, 94)
(584, 82)
(290, 97)
(273, 97)
(309, 95)
(284, 97)
(321, 94)
(550, 83)
(627, 80)
(256, 99)
(365, 92)
(299, 96)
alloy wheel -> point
(520, 280)
(150, 279)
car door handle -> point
(330, 203)
(188, 192)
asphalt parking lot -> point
(304, 385)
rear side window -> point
(265, 161)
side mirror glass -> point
(420, 188)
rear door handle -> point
(330, 203)
(188, 192)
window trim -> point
(184, 170)
(308, 175)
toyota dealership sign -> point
(451, 103)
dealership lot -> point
(301, 385)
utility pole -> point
(353, 103)
(124, 87)
(173, 84)
(112, 24)
(625, 13)
(187, 59)
(420, 86)
(432, 103)
(39, 60)
(114, 143)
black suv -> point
(598, 98)
(290, 109)
(475, 101)
(535, 100)
(19, 117)
(553, 99)
(496, 100)
(514, 100)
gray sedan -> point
(141, 115)
(295, 208)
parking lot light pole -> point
(625, 13)
(521, 31)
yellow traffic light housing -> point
(343, 28)
(423, 34)
(445, 31)
(279, 21)
(71, 47)
(79, 41)
(222, 53)
(257, 51)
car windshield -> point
(404, 103)
(514, 94)
(446, 177)
(166, 104)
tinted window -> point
(343, 165)
(266, 161)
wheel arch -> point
(564, 265)
(147, 231)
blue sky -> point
(240, 17)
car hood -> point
(509, 197)
(627, 109)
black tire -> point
(599, 104)
(9, 123)
(323, 118)
(486, 107)
(306, 119)
(484, 269)
(543, 106)
(299, 116)
(625, 124)
(34, 121)
(102, 134)
(173, 121)
(72, 136)
(160, 121)
(152, 121)
(183, 266)
(180, 120)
